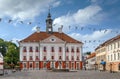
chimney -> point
(60, 29)
(38, 29)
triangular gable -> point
(52, 39)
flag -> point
(21, 22)
(81, 28)
(105, 31)
(76, 27)
(9, 21)
(0, 19)
(29, 22)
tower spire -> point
(49, 21)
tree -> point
(87, 53)
(10, 51)
(3, 47)
(12, 55)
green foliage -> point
(87, 53)
(10, 52)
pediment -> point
(52, 39)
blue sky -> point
(89, 21)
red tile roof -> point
(36, 37)
(91, 55)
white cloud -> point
(57, 3)
(90, 15)
(25, 9)
(95, 36)
(34, 28)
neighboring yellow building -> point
(100, 55)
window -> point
(52, 57)
(67, 58)
(111, 57)
(31, 58)
(24, 57)
(108, 58)
(114, 45)
(60, 57)
(67, 50)
(52, 49)
(118, 44)
(72, 50)
(78, 50)
(37, 58)
(118, 56)
(114, 56)
(77, 57)
(30, 49)
(37, 50)
(60, 49)
(72, 58)
(111, 46)
(24, 49)
(25, 65)
(44, 58)
(44, 49)
(37, 65)
(30, 65)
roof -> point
(39, 36)
(113, 39)
(91, 55)
(109, 41)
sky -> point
(89, 21)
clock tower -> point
(49, 28)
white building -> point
(50, 49)
(113, 53)
(91, 61)
(1, 61)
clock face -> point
(52, 39)
(49, 29)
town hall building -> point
(50, 50)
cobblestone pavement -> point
(42, 74)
